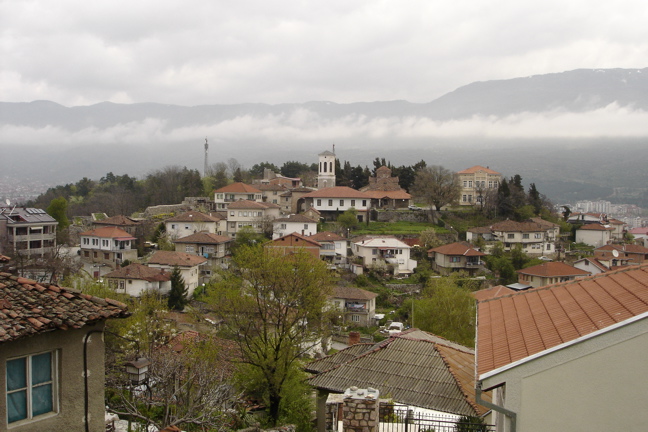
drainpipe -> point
(510, 414)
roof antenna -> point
(333, 148)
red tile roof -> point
(478, 168)
(326, 236)
(595, 227)
(28, 307)
(338, 192)
(238, 188)
(247, 204)
(195, 216)
(180, 259)
(493, 292)
(140, 272)
(513, 327)
(553, 269)
(458, 248)
(204, 238)
(352, 293)
(108, 232)
(625, 248)
(398, 194)
(513, 226)
(292, 240)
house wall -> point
(303, 228)
(190, 275)
(404, 263)
(178, 230)
(69, 345)
(593, 238)
(135, 287)
(590, 386)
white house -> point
(333, 201)
(135, 279)
(293, 223)
(536, 236)
(356, 306)
(258, 215)
(594, 234)
(188, 264)
(103, 249)
(226, 195)
(334, 247)
(193, 222)
(379, 251)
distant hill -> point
(53, 143)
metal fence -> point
(396, 418)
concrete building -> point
(476, 182)
(27, 231)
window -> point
(364, 203)
(510, 236)
(455, 259)
(465, 183)
(31, 386)
(305, 226)
(219, 196)
(355, 318)
(86, 241)
(283, 226)
(469, 183)
(330, 203)
(538, 235)
(374, 251)
(352, 203)
(106, 256)
(172, 226)
(525, 236)
(319, 202)
(464, 198)
(189, 249)
(341, 203)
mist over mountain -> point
(581, 133)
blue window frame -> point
(30, 386)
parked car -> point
(415, 208)
(393, 328)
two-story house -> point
(271, 193)
(356, 306)
(52, 369)
(333, 201)
(214, 247)
(549, 273)
(334, 247)
(226, 195)
(193, 222)
(476, 182)
(188, 264)
(27, 231)
(594, 234)
(293, 243)
(103, 249)
(456, 256)
(534, 237)
(255, 214)
(384, 251)
(293, 223)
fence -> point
(396, 418)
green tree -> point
(293, 168)
(349, 219)
(274, 306)
(178, 294)
(430, 239)
(436, 186)
(58, 210)
(447, 309)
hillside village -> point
(442, 299)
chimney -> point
(354, 338)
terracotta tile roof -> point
(595, 227)
(28, 307)
(378, 194)
(612, 221)
(493, 292)
(639, 231)
(429, 373)
(204, 238)
(352, 293)
(625, 248)
(247, 204)
(326, 236)
(513, 226)
(513, 327)
(554, 268)
(338, 192)
(458, 248)
(140, 272)
(543, 223)
(478, 168)
(238, 188)
(291, 240)
(108, 232)
(195, 216)
(180, 259)
(118, 220)
(295, 218)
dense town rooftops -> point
(28, 308)
(513, 327)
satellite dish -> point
(615, 253)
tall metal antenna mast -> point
(206, 162)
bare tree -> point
(436, 186)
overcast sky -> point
(226, 52)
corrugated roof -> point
(513, 327)
(415, 372)
(28, 307)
